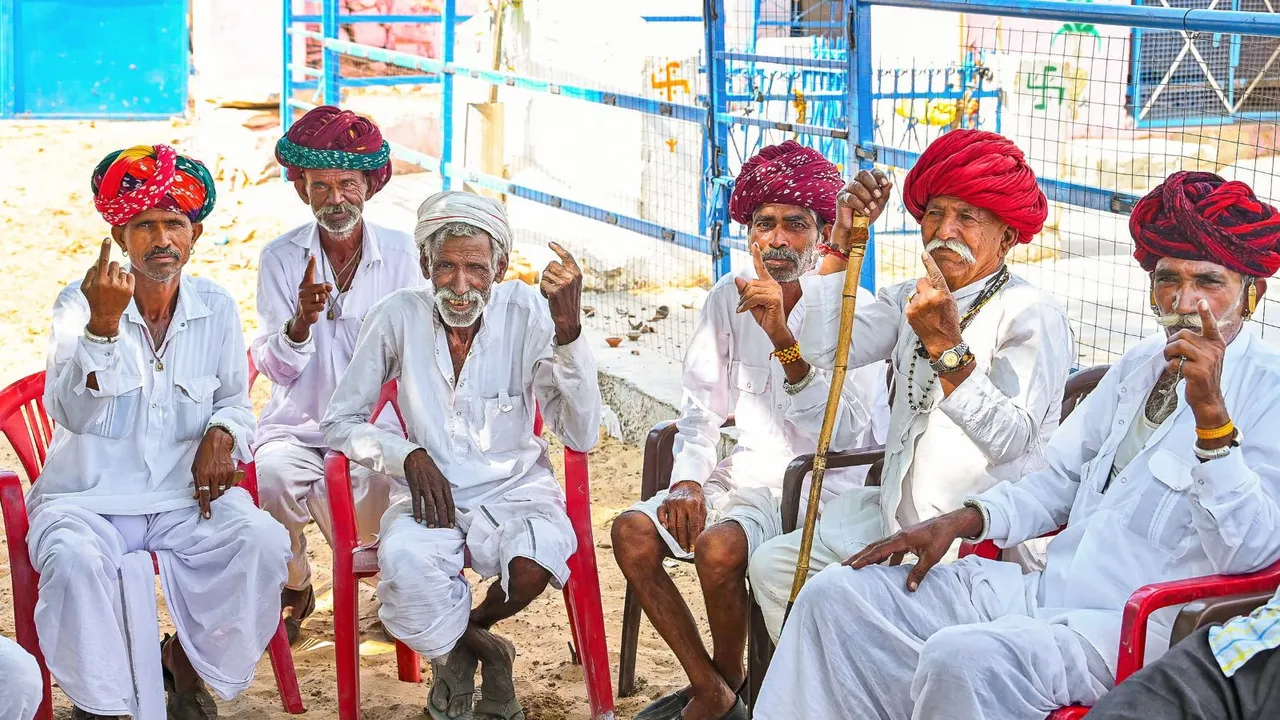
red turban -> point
(1201, 216)
(787, 174)
(131, 181)
(329, 138)
(983, 169)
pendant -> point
(330, 314)
(159, 365)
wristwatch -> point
(952, 360)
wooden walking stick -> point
(857, 250)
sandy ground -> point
(52, 235)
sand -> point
(52, 236)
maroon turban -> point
(327, 138)
(1200, 216)
(787, 174)
(983, 169)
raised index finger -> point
(309, 277)
(565, 257)
(936, 278)
(762, 272)
(1208, 323)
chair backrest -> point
(25, 423)
(1079, 385)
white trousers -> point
(426, 601)
(291, 487)
(21, 687)
(221, 580)
(964, 646)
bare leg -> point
(720, 556)
(187, 699)
(639, 551)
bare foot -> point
(710, 704)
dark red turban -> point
(983, 169)
(1200, 216)
(786, 174)
(332, 139)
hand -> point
(684, 513)
(932, 312)
(763, 299)
(866, 195)
(108, 288)
(313, 297)
(429, 490)
(1202, 368)
(928, 541)
(214, 470)
(562, 287)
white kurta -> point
(22, 687)
(117, 483)
(981, 640)
(478, 430)
(728, 369)
(289, 447)
(994, 426)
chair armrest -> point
(1149, 598)
(1213, 611)
(659, 457)
(342, 506)
(793, 479)
(250, 480)
(989, 550)
(577, 494)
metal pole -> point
(1145, 16)
(329, 28)
(715, 160)
(448, 34)
(286, 76)
(861, 125)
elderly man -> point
(316, 283)
(23, 686)
(746, 365)
(475, 358)
(148, 386)
(1168, 470)
(980, 356)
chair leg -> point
(759, 654)
(408, 664)
(586, 617)
(346, 637)
(630, 641)
(286, 676)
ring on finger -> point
(1181, 360)
(204, 490)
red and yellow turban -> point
(1201, 216)
(128, 182)
(329, 138)
(983, 169)
(786, 174)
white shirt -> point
(303, 376)
(992, 427)
(728, 370)
(479, 432)
(127, 447)
(1167, 516)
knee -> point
(257, 532)
(526, 579)
(65, 550)
(272, 490)
(959, 653)
(771, 565)
(635, 541)
(721, 550)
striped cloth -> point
(1235, 643)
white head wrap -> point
(457, 206)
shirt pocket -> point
(118, 418)
(194, 405)
(1161, 514)
(504, 427)
(752, 384)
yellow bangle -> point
(789, 355)
(1216, 433)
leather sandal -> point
(667, 707)
(194, 704)
(497, 689)
(453, 685)
(293, 621)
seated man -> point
(1224, 672)
(730, 368)
(1168, 470)
(315, 285)
(22, 687)
(474, 359)
(980, 356)
(148, 386)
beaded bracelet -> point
(787, 355)
(1216, 433)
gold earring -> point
(1155, 308)
(1252, 302)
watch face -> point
(950, 359)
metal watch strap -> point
(964, 358)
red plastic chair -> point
(1146, 600)
(28, 428)
(352, 561)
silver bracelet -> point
(295, 345)
(1218, 453)
(99, 339)
(986, 520)
(790, 389)
(224, 426)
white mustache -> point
(1188, 321)
(954, 246)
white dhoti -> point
(291, 488)
(755, 509)
(426, 601)
(964, 646)
(21, 686)
(221, 580)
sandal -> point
(453, 685)
(667, 707)
(194, 704)
(497, 690)
(292, 621)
